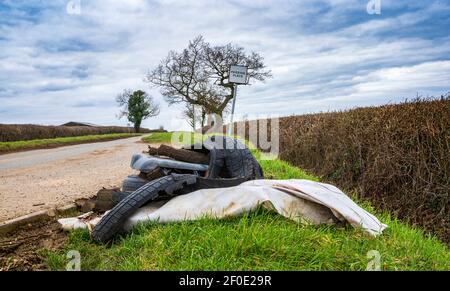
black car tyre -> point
(132, 183)
(229, 158)
(111, 223)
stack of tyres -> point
(231, 163)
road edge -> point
(38, 216)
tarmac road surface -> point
(42, 179)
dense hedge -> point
(398, 156)
(16, 132)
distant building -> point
(73, 123)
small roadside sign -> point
(238, 74)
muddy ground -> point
(20, 250)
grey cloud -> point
(85, 104)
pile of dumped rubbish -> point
(217, 178)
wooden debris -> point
(179, 154)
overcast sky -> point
(325, 55)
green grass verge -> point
(158, 137)
(260, 240)
(178, 138)
(55, 142)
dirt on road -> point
(43, 179)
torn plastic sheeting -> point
(147, 164)
(300, 200)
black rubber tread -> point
(207, 183)
(217, 164)
(132, 183)
(239, 163)
(111, 223)
(229, 158)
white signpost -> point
(238, 76)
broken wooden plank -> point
(181, 155)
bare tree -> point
(199, 74)
(137, 106)
(194, 115)
(190, 115)
(220, 58)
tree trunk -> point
(137, 126)
(179, 154)
(193, 118)
(203, 118)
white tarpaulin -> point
(300, 200)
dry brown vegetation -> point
(397, 156)
(17, 132)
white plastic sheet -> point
(300, 200)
